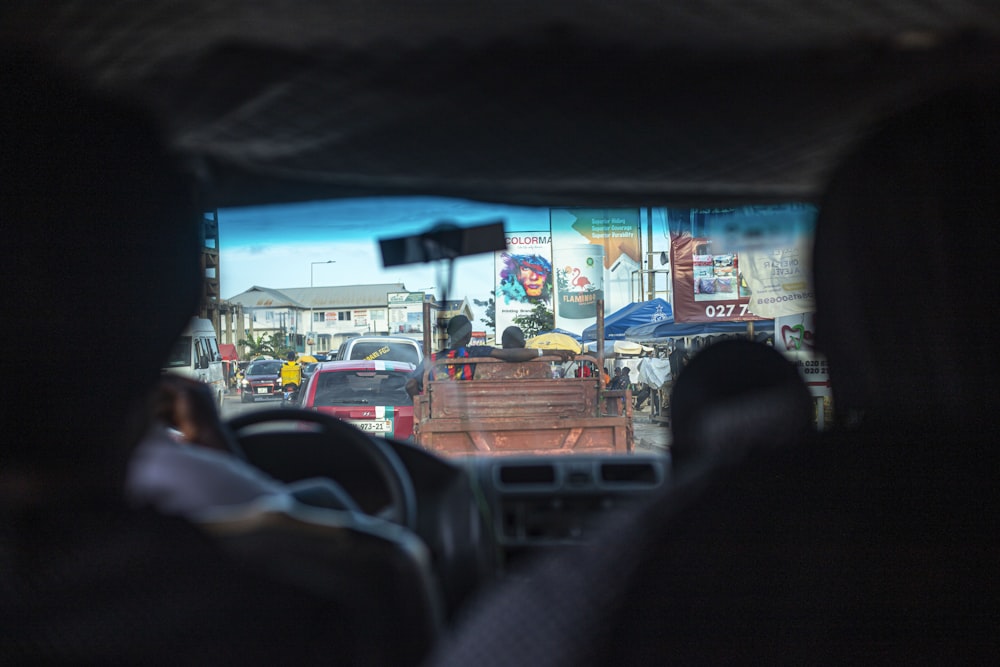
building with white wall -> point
(317, 319)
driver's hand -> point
(189, 407)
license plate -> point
(263, 390)
(369, 426)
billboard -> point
(594, 253)
(795, 338)
(523, 276)
(406, 312)
(740, 264)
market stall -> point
(666, 338)
(654, 311)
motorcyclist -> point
(291, 377)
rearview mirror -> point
(445, 240)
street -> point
(233, 407)
(650, 438)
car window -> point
(360, 388)
(387, 351)
(264, 368)
(668, 282)
(180, 354)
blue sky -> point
(275, 246)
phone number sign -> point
(708, 283)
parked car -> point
(262, 379)
(382, 348)
(368, 394)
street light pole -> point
(312, 324)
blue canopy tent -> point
(654, 311)
(645, 333)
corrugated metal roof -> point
(337, 296)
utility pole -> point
(311, 329)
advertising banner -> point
(708, 286)
(794, 337)
(720, 256)
(406, 312)
(779, 274)
(594, 252)
(523, 277)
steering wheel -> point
(402, 496)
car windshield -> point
(264, 368)
(180, 353)
(659, 283)
(360, 388)
(385, 351)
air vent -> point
(527, 474)
(630, 473)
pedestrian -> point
(621, 382)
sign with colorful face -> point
(721, 256)
(594, 252)
(523, 277)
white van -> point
(196, 355)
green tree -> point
(538, 320)
(257, 346)
(281, 343)
(491, 311)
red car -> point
(368, 394)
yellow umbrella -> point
(307, 359)
(554, 341)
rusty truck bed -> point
(518, 408)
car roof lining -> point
(567, 103)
